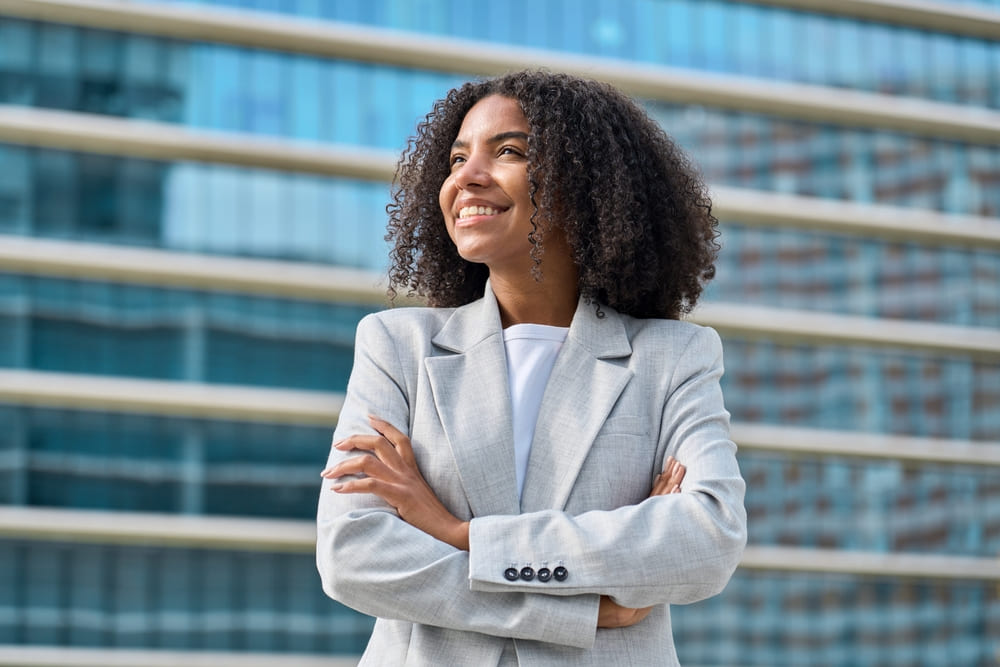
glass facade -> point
(857, 276)
(58, 593)
(709, 35)
(173, 334)
(873, 506)
(229, 88)
(172, 598)
(192, 207)
(142, 463)
(792, 619)
(100, 595)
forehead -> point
(491, 116)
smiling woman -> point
(531, 470)
(488, 210)
(485, 200)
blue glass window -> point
(879, 391)
(175, 598)
(145, 463)
(781, 618)
(117, 329)
(193, 207)
(850, 275)
(882, 506)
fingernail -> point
(339, 444)
(337, 487)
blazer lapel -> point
(472, 397)
(579, 396)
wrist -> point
(459, 537)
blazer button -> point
(560, 573)
(510, 574)
(527, 573)
(544, 574)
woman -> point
(503, 482)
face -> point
(485, 200)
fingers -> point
(675, 475)
(395, 436)
(391, 448)
(358, 465)
(669, 481)
(376, 444)
(612, 615)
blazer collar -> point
(602, 337)
(471, 392)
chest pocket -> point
(618, 468)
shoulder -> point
(659, 336)
(406, 325)
(673, 350)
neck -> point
(524, 300)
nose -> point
(474, 172)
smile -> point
(469, 211)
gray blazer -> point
(624, 394)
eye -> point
(456, 159)
(511, 150)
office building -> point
(192, 212)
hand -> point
(611, 614)
(669, 481)
(391, 473)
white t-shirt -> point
(531, 353)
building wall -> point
(111, 594)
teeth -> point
(468, 211)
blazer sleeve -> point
(677, 548)
(373, 561)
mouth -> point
(474, 211)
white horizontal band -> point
(816, 442)
(407, 49)
(300, 536)
(786, 325)
(169, 398)
(60, 656)
(868, 563)
(878, 221)
(69, 130)
(161, 397)
(165, 268)
(934, 15)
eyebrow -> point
(495, 139)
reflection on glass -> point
(174, 334)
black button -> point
(510, 574)
(560, 573)
(527, 573)
(544, 574)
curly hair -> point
(634, 209)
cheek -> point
(446, 199)
(446, 196)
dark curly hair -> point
(634, 209)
